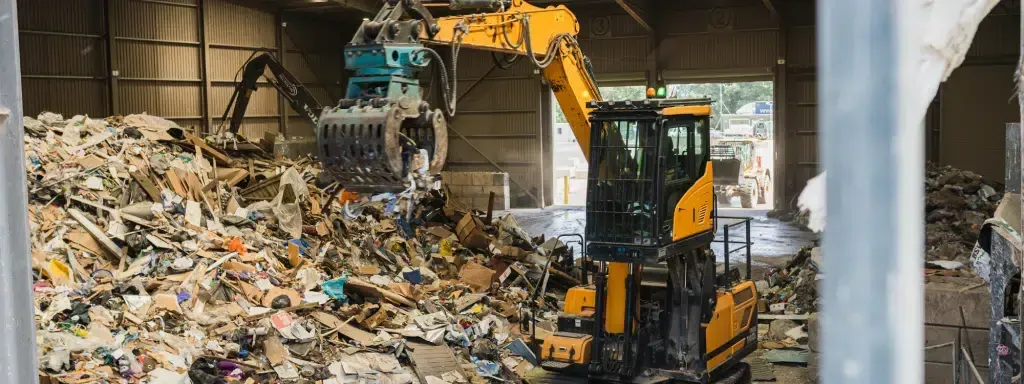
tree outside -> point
(728, 97)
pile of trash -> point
(957, 203)
(160, 255)
(794, 288)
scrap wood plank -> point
(96, 232)
(147, 185)
(175, 181)
(433, 360)
(201, 145)
(363, 337)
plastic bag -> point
(287, 204)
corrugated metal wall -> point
(979, 99)
(498, 117)
(797, 117)
(63, 57)
(173, 58)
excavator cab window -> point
(621, 186)
(683, 152)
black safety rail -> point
(727, 242)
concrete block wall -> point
(944, 297)
(474, 188)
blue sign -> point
(763, 108)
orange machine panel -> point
(693, 213)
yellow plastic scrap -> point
(58, 272)
(446, 248)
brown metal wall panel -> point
(475, 63)
(262, 103)
(67, 16)
(158, 61)
(303, 69)
(316, 35)
(185, 2)
(496, 124)
(68, 97)
(720, 50)
(238, 25)
(503, 95)
(161, 98)
(155, 21)
(195, 125)
(225, 63)
(501, 150)
(804, 90)
(998, 35)
(977, 102)
(62, 56)
(299, 127)
(802, 47)
(255, 127)
(801, 129)
(613, 56)
(507, 102)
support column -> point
(873, 298)
(780, 131)
(204, 65)
(18, 361)
(282, 109)
(113, 71)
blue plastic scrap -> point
(335, 289)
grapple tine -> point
(370, 148)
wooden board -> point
(147, 185)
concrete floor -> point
(773, 240)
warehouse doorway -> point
(742, 139)
(569, 166)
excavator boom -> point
(547, 36)
(287, 85)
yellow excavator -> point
(658, 311)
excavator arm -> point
(547, 36)
(287, 85)
(383, 135)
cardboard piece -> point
(268, 298)
(293, 255)
(363, 337)
(238, 267)
(275, 351)
(477, 276)
(470, 233)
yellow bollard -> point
(566, 191)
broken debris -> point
(165, 257)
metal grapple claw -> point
(373, 148)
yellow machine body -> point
(734, 314)
(580, 301)
(571, 349)
(693, 213)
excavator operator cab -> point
(658, 309)
(649, 185)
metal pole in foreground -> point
(18, 362)
(874, 158)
